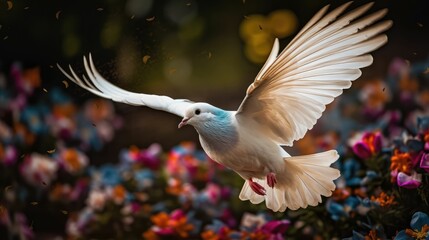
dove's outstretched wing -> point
(291, 91)
(101, 87)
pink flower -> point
(368, 146)
(252, 221)
(409, 182)
(213, 192)
(38, 169)
(97, 199)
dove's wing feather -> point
(97, 85)
(291, 91)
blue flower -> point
(109, 175)
(33, 117)
(144, 178)
(57, 96)
(338, 210)
(419, 228)
(349, 170)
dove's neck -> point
(219, 133)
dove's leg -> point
(271, 179)
(256, 187)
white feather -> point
(321, 61)
(101, 87)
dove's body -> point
(285, 100)
(236, 145)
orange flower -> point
(175, 187)
(419, 235)
(160, 219)
(150, 235)
(340, 194)
(372, 235)
(384, 200)
(209, 235)
(118, 194)
(401, 162)
(66, 110)
(71, 157)
(259, 235)
(32, 77)
(181, 226)
(426, 137)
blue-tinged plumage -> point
(220, 133)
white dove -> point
(285, 100)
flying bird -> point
(284, 101)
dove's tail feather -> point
(302, 183)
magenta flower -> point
(368, 146)
(410, 182)
(276, 229)
(424, 162)
(150, 156)
(8, 154)
(212, 192)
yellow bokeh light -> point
(258, 32)
(251, 25)
(259, 47)
(282, 23)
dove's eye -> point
(197, 112)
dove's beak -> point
(183, 122)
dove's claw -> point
(271, 179)
(256, 187)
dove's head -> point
(201, 113)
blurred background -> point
(197, 49)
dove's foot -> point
(271, 179)
(256, 187)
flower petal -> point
(276, 226)
(377, 142)
(419, 220)
(403, 236)
(424, 162)
(409, 182)
(361, 150)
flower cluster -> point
(44, 139)
(384, 167)
(381, 132)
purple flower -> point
(150, 156)
(407, 181)
(424, 162)
(368, 145)
(276, 228)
